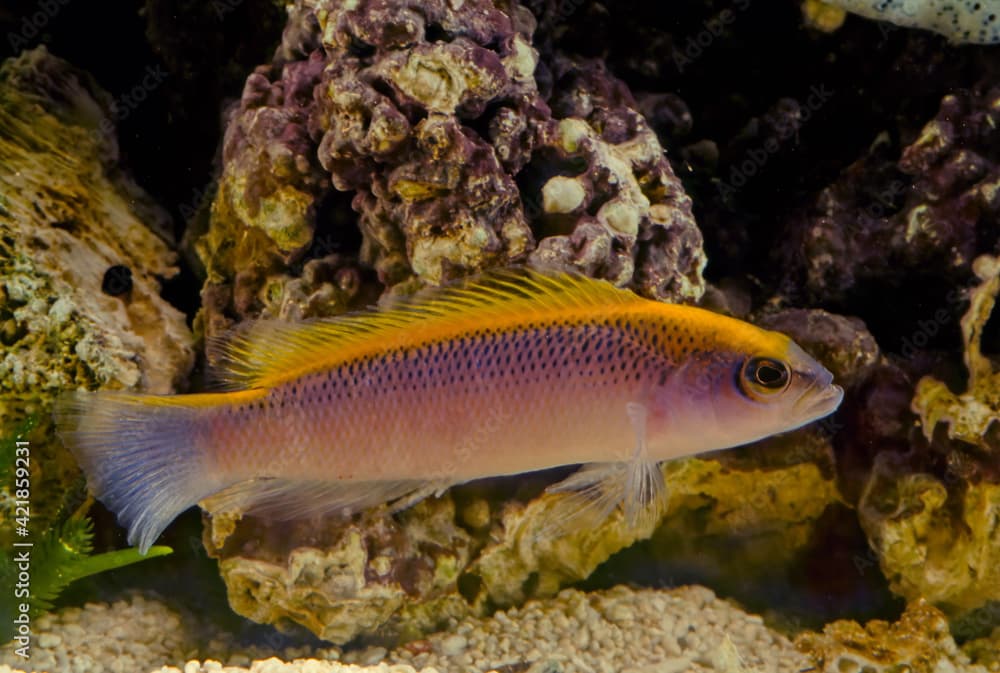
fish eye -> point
(764, 376)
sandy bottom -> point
(616, 631)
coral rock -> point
(82, 252)
(435, 122)
(436, 198)
(934, 533)
(933, 541)
(920, 642)
(82, 246)
(633, 224)
(928, 211)
(402, 577)
(373, 575)
(970, 414)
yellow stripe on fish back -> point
(269, 353)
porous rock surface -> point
(82, 253)
(919, 640)
(460, 148)
(926, 211)
(934, 531)
(398, 576)
(68, 215)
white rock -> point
(49, 640)
(453, 645)
(562, 195)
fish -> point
(510, 372)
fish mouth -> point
(821, 397)
(824, 402)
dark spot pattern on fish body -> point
(576, 356)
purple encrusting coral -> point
(887, 217)
(393, 107)
(432, 116)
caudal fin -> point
(139, 455)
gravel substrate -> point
(685, 629)
(124, 637)
(133, 635)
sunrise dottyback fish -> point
(514, 372)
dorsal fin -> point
(268, 352)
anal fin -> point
(287, 499)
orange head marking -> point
(731, 382)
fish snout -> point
(824, 401)
(823, 377)
(820, 395)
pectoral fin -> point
(596, 489)
(644, 485)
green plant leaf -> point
(63, 556)
(112, 560)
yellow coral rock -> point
(968, 415)
(930, 544)
(919, 642)
(821, 16)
